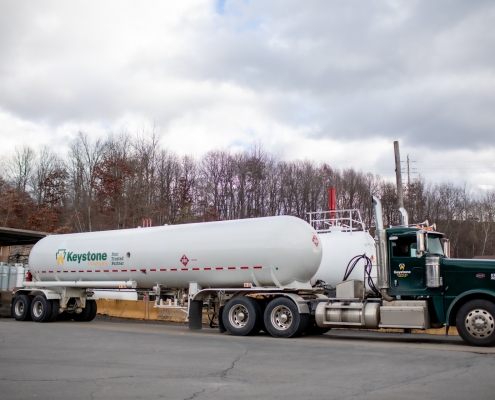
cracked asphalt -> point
(115, 359)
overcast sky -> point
(333, 81)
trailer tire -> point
(94, 308)
(21, 308)
(55, 309)
(475, 323)
(242, 316)
(88, 313)
(41, 309)
(283, 320)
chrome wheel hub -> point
(238, 316)
(19, 308)
(37, 309)
(480, 323)
(281, 318)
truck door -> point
(407, 272)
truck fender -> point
(49, 294)
(472, 294)
(302, 304)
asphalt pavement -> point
(115, 359)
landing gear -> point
(283, 320)
(476, 323)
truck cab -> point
(459, 292)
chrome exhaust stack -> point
(404, 217)
(381, 243)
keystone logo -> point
(62, 255)
(401, 267)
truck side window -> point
(402, 248)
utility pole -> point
(398, 175)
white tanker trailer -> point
(218, 263)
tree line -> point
(117, 181)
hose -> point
(367, 271)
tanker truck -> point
(258, 274)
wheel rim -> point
(238, 316)
(479, 323)
(281, 317)
(19, 308)
(38, 309)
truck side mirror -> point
(420, 240)
(446, 247)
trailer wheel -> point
(283, 320)
(92, 313)
(475, 323)
(41, 309)
(242, 316)
(88, 313)
(21, 308)
(55, 309)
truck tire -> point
(21, 308)
(55, 309)
(475, 323)
(41, 309)
(283, 320)
(88, 313)
(242, 316)
(313, 329)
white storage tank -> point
(339, 247)
(268, 251)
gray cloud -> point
(418, 71)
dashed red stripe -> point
(133, 270)
(207, 269)
(244, 267)
(81, 271)
(195, 269)
(73, 271)
(232, 268)
(257, 267)
(44, 272)
(89, 270)
(173, 269)
(97, 270)
(184, 269)
(162, 269)
(124, 270)
(66, 272)
(58, 272)
(115, 270)
(218, 268)
(106, 270)
(50, 272)
(153, 270)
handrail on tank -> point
(348, 219)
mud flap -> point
(195, 315)
(221, 326)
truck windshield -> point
(434, 245)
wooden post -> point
(398, 175)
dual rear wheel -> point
(40, 309)
(243, 316)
